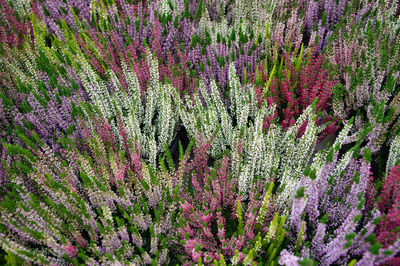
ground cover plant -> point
(223, 132)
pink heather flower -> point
(390, 205)
(206, 218)
(187, 209)
(71, 250)
(390, 192)
(119, 176)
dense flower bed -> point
(200, 132)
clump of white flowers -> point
(208, 114)
(394, 154)
(238, 126)
(151, 120)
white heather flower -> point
(244, 179)
(394, 154)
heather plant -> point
(211, 61)
(149, 118)
(364, 54)
(13, 25)
(306, 22)
(4, 179)
(225, 39)
(4, 158)
(294, 85)
(322, 18)
(386, 237)
(327, 213)
(124, 29)
(389, 205)
(386, 191)
(290, 22)
(46, 85)
(41, 93)
(37, 94)
(8, 259)
(166, 27)
(258, 149)
(51, 12)
(323, 199)
(274, 24)
(288, 25)
(217, 224)
(214, 113)
(105, 205)
(328, 221)
(333, 213)
(153, 121)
